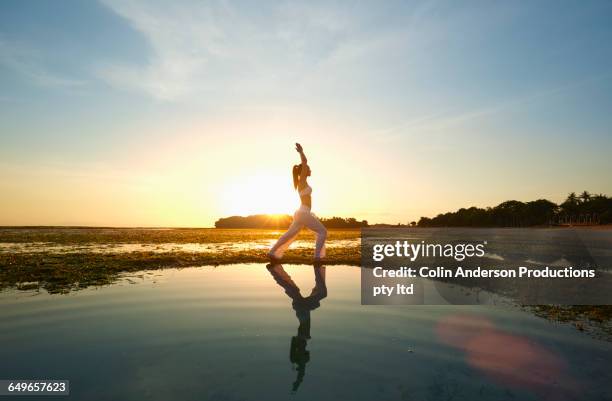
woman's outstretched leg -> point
(315, 225)
(278, 250)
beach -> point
(61, 259)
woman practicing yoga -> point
(302, 217)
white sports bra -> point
(307, 190)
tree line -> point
(583, 209)
(283, 221)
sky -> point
(158, 113)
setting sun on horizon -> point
(259, 193)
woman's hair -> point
(296, 175)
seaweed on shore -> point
(61, 273)
(86, 235)
(597, 319)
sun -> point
(259, 193)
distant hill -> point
(282, 222)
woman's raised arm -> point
(300, 150)
(304, 169)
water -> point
(225, 333)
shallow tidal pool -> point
(251, 332)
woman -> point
(302, 217)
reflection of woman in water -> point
(298, 354)
(302, 217)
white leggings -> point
(301, 218)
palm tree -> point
(572, 198)
(585, 196)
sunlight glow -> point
(259, 193)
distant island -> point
(583, 209)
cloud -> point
(202, 47)
(445, 120)
(181, 44)
(28, 63)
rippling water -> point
(243, 332)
